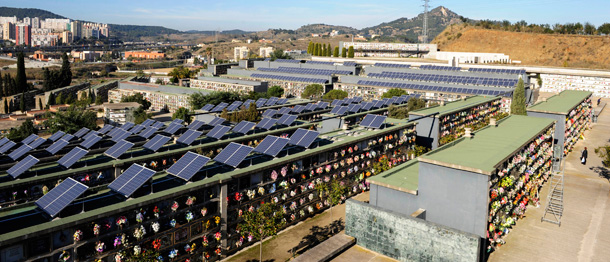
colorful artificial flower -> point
(217, 235)
(174, 206)
(156, 211)
(189, 216)
(217, 220)
(156, 226)
(117, 241)
(78, 235)
(190, 200)
(205, 241)
(100, 246)
(156, 244)
(238, 196)
(137, 250)
(204, 211)
(64, 256)
(96, 229)
(173, 253)
(274, 175)
(122, 220)
(172, 223)
(284, 171)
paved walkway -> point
(584, 234)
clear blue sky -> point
(289, 14)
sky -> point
(258, 15)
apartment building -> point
(240, 52)
(23, 34)
(265, 51)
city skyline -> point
(262, 15)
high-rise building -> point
(66, 37)
(241, 53)
(76, 28)
(23, 34)
(8, 31)
(35, 22)
(8, 19)
(56, 24)
(27, 21)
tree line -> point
(318, 49)
(564, 29)
(58, 78)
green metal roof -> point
(404, 177)
(455, 106)
(561, 103)
(490, 145)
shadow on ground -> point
(317, 235)
(602, 172)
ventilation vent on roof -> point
(492, 122)
(468, 132)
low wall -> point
(406, 238)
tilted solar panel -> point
(216, 121)
(61, 196)
(148, 132)
(118, 149)
(19, 152)
(53, 138)
(218, 131)
(243, 127)
(189, 137)
(55, 147)
(90, 141)
(266, 123)
(195, 125)
(133, 178)
(271, 145)
(72, 157)
(287, 119)
(207, 107)
(36, 143)
(173, 128)
(22, 166)
(7, 146)
(127, 126)
(233, 154)
(156, 142)
(188, 165)
(30, 138)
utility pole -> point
(424, 35)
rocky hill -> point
(323, 28)
(531, 49)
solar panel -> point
(22, 166)
(127, 126)
(323, 105)
(177, 121)
(219, 107)
(61, 196)
(71, 157)
(284, 110)
(271, 145)
(218, 131)
(195, 125)
(298, 109)
(287, 120)
(216, 121)
(55, 147)
(366, 106)
(148, 122)
(7, 146)
(233, 154)
(311, 107)
(248, 102)
(118, 149)
(29, 139)
(243, 127)
(207, 107)
(188, 165)
(282, 101)
(172, 128)
(303, 137)
(53, 138)
(136, 129)
(158, 125)
(354, 108)
(39, 141)
(270, 113)
(260, 104)
(148, 132)
(189, 137)
(80, 133)
(106, 129)
(367, 120)
(19, 152)
(271, 101)
(377, 122)
(339, 110)
(357, 99)
(156, 142)
(92, 133)
(234, 106)
(133, 178)
(266, 123)
(120, 134)
(90, 141)
(336, 102)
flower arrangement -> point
(274, 175)
(217, 235)
(139, 232)
(172, 222)
(319, 170)
(284, 196)
(293, 180)
(206, 255)
(302, 201)
(284, 171)
(251, 209)
(302, 212)
(272, 189)
(100, 246)
(118, 257)
(155, 226)
(336, 166)
(356, 148)
(326, 179)
(261, 190)
(310, 209)
(240, 213)
(156, 211)
(218, 251)
(205, 241)
(217, 220)
(292, 217)
(137, 250)
(342, 162)
(238, 196)
(96, 229)
(204, 211)
(117, 241)
(193, 248)
(156, 244)
(187, 248)
(190, 200)
(122, 220)
(350, 150)
(318, 205)
(251, 194)
(327, 168)
(173, 253)
(78, 235)
(189, 216)
(250, 237)
(174, 206)
(275, 200)
(342, 152)
(239, 242)
(293, 205)
(310, 196)
(64, 256)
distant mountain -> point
(132, 32)
(20, 13)
(410, 28)
(224, 32)
(323, 28)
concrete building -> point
(23, 35)
(8, 19)
(265, 51)
(27, 21)
(76, 27)
(35, 22)
(144, 54)
(57, 24)
(119, 113)
(230, 85)
(8, 29)
(370, 49)
(160, 96)
(240, 52)
(66, 37)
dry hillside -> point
(531, 49)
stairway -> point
(554, 205)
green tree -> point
(59, 100)
(24, 130)
(98, 100)
(350, 52)
(604, 29)
(140, 115)
(139, 98)
(336, 53)
(313, 90)
(6, 109)
(398, 112)
(517, 106)
(22, 102)
(198, 100)
(276, 91)
(329, 50)
(51, 100)
(71, 120)
(343, 52)
(181, 72)
(266, 221)
(182, 113)
(323, 50)
(279, 54)
(604, 153)
(310, 48)
(415, 103)
(334, 192)
(394, 92)
(318, 49)
(65, 73)
(22, 82)
(335, 94)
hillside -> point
(20, 13)
(410, 28)
(531, 49)
(323, 28)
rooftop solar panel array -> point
(36, 143)
(339, 110)
(291, 78)
(216, 121)
(207, 107)
(243, 127)
(188, 165)
(287, 120)
(303, 137)
(282, 101)
(288, 61)
(61, 196)
(336, 102)
(148, 132)
(284, 110)
(72, 157)
(248, 102)
(323, 105)
(462, 80)
(392, 65)
(156, 142)
(133, 178)
(148, 122)
(271, 145)
(7, 146)
(22, 166)
(127, 126)
(349, 63)
(19, 152)
(320, 63)
(271, 101)
(90, 141)
(195, 125)
(440, 89)
(120, 134)
(440, 68)
(311, 107)
(55, 147)
(158, 125)
(53, 138)
(498, 71)
(106, 129)
(234, 106)
(173, 128)
(270, 113)
(266, 123)
(219, 107)
(118, 149)
(218, 131)
(67, 137)
(233, 154)
(177, 121)
(92, 133)
(136, 129)
(305, 71)
(189, 137)
(31, 138)
(372, 121)
(354, 108)
(298, 109)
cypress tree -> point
(336, 54)
(323, 50)
(22, 82)
(350, 52)
(1, 86)
(310, 48)
(314, 50)
(517, 106)
(6, 111)
(65, 73)
(344, 52)
(22, 102)
(329, 50)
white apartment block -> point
(8, 19)
(58, 25)
(265, 51)
(241, 53)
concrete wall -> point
(559, 127)
(427, 131)
(406, 238)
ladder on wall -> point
(554, 205)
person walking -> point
(583, 156)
